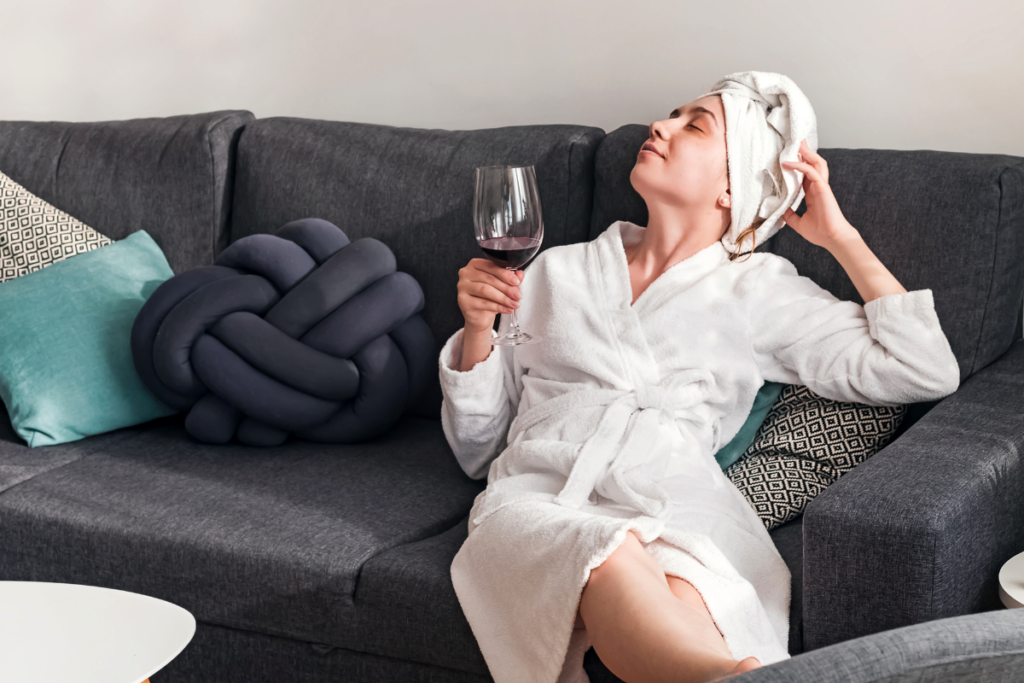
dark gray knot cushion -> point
(297, 332)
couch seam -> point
(588, 207)
(88, 452)
(992, 275)
(213, 181)
(213, 188)
(569, 185)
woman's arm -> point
(890, 351)
(480, 384)
(869, 275)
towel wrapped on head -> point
(766, 118)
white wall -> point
(897, 74)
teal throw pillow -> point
(66, 367)
(732, 451)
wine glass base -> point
(513, 339)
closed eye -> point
(693, 126)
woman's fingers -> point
(471, 304)
(818, 161)
(503, 274)
(492, 293)
(808, 170)
(500, 283)
(485, 288)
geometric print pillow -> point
(34, 234)
(805, 443)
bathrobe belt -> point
(602, 464)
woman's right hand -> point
(486, 289)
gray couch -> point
(316, 563)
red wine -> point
(510, 252)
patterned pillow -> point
(34, 234)
(805, 443)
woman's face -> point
(683, 162)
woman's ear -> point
(725, 199)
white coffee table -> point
(1011, 582)
(59, 632)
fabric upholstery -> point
(410, 188)
(298, 332)
(266, 540)
(929, 519)
(19, 463)
(168, 176)
(974, 648)
(225, 655)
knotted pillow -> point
(300, 332)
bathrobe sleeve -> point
(478, 404)
(887, 352)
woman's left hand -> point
(822, 224)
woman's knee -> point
(629, 558)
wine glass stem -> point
(515, 320)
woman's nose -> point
(657, 128)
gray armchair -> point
(973, 648)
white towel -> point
(766, 118)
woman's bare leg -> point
(685, 591)
(641, 631)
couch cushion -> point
(19, 463)
(945, 221)
(268, 540)
(410, 188)
(168, 176)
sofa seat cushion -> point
(268, 540)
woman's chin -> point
(638, 181)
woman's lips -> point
(648, 147)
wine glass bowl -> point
(509, 225)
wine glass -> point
(509, 225)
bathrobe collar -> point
(611, 255)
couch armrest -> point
(985, 647)
(919, 531)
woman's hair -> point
(743, 235)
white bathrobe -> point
(610, 423)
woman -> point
(606, 520)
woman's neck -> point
(669, 239)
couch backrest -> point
(949, 222)
(168, 176)
(410, 188)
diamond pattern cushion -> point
(805, 443)
(35, 234)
